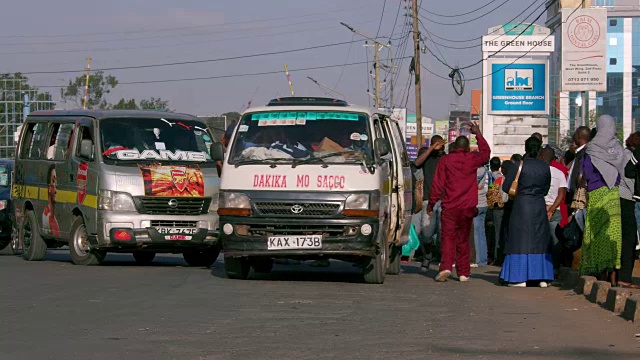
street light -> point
(578, 104)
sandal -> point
(627, 285)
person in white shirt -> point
(557, 192)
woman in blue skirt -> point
(528, 245)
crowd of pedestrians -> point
(547, 208)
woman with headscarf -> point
(601, 171)
(528, 243)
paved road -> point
(55, 310)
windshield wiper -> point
(321, 158)
(258, 161)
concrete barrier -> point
(599, 291)
(585, 283)
(617, 299)
(632, 308)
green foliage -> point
(124, 104)
(156, 104)
(99, 86)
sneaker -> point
(464, 278)
(544, 284)
(522, 284)
(443, 276)
(474, 265)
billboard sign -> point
(584, 49)
(518, 88)
(411, 134)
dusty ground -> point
(55, 310)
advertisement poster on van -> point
(163, 180)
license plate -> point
(294, 242)
(176, 230)
(177, 237)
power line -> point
(384, 5)
(222, 76)
(161, 36)
(466, 21)
(164, 46)
(463, 14)
(194, 61)
(345, 61)
(129, 32)
(397, 15)
(480, 37)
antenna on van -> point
(286, 71)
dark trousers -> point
(629, 240)
(455, 246)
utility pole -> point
(416, 59)
(286, 71)
(86, 85)
(378, 45)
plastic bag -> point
(413, 244)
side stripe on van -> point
(62, 196)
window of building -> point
(613, 41)
(613, 61)
(613, 22)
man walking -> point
(479, 230)
(427, 224)
(455, 183)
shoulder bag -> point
(418, 194)
(513, 189)
(580, 196)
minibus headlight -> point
(232, 200)
(115, 201)
(357, 202)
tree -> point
(154, 104)
(124, 104)
(232, 117)
(99, 85)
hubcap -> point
(80, 241)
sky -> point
(41, 35)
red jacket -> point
(455, 181)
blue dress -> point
(528, 242)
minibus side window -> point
(84, 132)
(58, 145)
(33, 141)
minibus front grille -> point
(172, 205)
(297, 209)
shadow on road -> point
(115, 259)
(543, 351)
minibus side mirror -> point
(217, 151)
(381, 147)
(86, 149)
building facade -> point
(623, 72)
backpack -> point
(494, 195)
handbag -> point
(418, 194)
(513, 189)
(579, 201)
(570, 236)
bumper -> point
(340, 237)
(142, 230)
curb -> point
(620, 301)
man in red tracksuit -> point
(455, 183)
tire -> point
(4, 243)
(375, 270)
(395, 254)
(34, 246)
(79, 246)
(263, 266)
(236, 268)
(201, 258)
(144, 257)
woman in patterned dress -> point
(601, 169)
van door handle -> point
(71, 177)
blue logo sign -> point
(518, 88)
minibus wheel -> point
(201, 258)
(236, 268)
(34, 247)
(375, 270)
(79, 246)
(395, 254)
(144, 257)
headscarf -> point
(606, 152)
